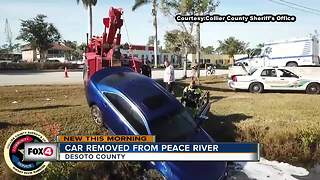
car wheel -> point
(96, 115)
(256, 88)
(313, 88)
(292, 64)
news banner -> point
(136, 148)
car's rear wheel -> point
(313, 88)
(96, 115)
(256, 87)
(292, 64)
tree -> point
(179, 42)
(189, 7)
(88, 5)
(77, 51)
(208, 50)
(232, 46)
(39, 33)
(151, 41)
(251, 52)
(139, 3)
(6, 48)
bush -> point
(36, 66)
(223, 66)
(294, 145)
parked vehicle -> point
(298, 52)
(274, 79)
(79, 64)
(128, 103)
(57, 59)
(54, 61)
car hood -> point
(195, 169)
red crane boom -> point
(104, 51)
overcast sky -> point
(71, 20)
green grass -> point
(286, 124)
(50, 110)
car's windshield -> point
(175, 126)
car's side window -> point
(286, 73)
(128, 112)
(269, 73)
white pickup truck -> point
(267, 78)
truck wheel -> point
(292, 64)
(256, 87)
(313, 88)
(96, 115)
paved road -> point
(30, 78)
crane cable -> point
(130, 50)
(125, 26)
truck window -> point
(128, 112)
(269, 73)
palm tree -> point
(139, 3)
(202, 7)
(190, 7)
(232, 46)
(88, 5)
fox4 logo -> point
(40, 151)
(47, 151)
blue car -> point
(128, 103)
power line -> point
(297, 8)
(295, 4)
(293, 7)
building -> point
(146, 53)
(220, 59)
(210, 59)
(58, 52)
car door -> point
(269, 78)
(289, 80)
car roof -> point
(150, 97)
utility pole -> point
(90, 20)
(155, 47)
(198, 48)
(8, 33)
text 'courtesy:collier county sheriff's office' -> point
(236, 18)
